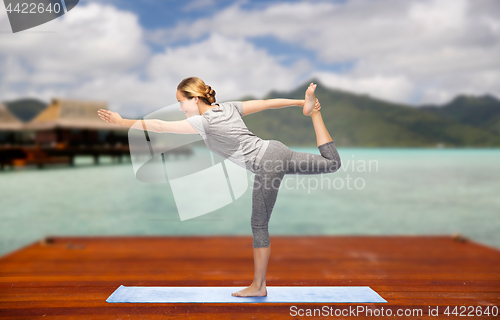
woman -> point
(270, 160)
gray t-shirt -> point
(225, 134)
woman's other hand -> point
(110, 117)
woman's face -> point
(188, 106)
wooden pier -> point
(45, 156)
(71, 277)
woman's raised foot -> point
(310, 100)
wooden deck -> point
(71, 277)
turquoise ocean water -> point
(377, 191)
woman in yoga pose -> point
(270, 160)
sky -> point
(133, 54)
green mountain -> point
(482, 112)
(355, 120)
(362, 121)
(25, 109)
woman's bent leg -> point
(309, 163)
(322, 135)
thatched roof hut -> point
(8, 121)
(71, 114)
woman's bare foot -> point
(310, 100)
(251, 291)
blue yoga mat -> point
(350, 294)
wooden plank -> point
(71, 277)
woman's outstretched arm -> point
(253, 106)
(153, 125)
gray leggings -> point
(277, 161)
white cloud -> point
(95, 52)
(99, 53)
(12, 70)
(439, 15)
(233, 67)
(412, 40)
(91, 41)
(396, 88)
(429, 49)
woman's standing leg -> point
(265, 192)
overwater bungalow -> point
(11, 127)
(70, 123)
(64, 129)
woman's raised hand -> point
(317, 105)
(110, 116)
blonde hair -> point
(195, 87)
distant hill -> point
(355, 120)
(483, 112)
(363, 121)
(25, 109)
